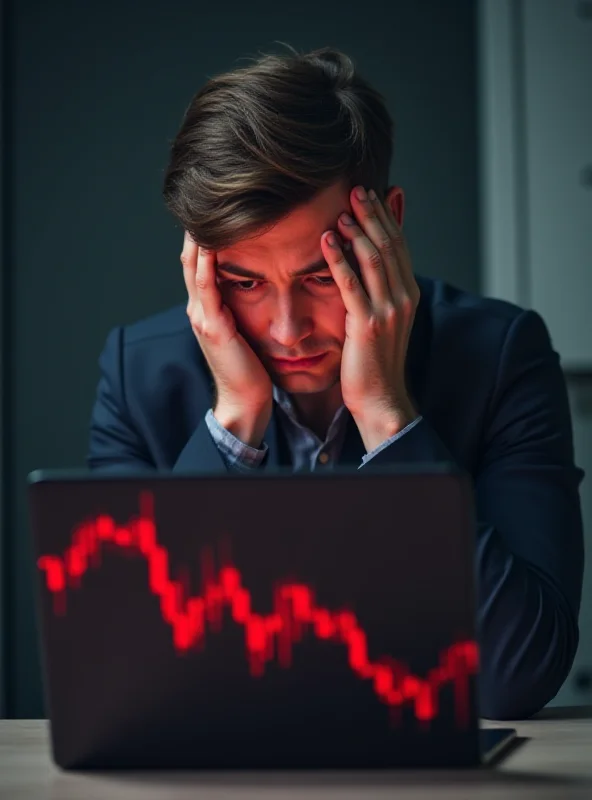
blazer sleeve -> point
(116, 445)
(529, 538)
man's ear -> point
(396, 200)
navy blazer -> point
(492, 394)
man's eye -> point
(253, 285)
(322, 280)
(243, 286)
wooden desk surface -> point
(555, 761)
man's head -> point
(264, 164)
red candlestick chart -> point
(267, 636)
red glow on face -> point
(267, 637)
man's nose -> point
(291, 323)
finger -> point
(405, 269)
(207, 291)
(355, 299)
(372, 247)
(189, 262)
(394, 274)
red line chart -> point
(267, 636)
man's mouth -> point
(298, 363)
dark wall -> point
(98, 90)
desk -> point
(555, 761)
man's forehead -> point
(298, 234)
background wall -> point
(98, 90)
(535, 136)
(3, 257)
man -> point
(297, 349)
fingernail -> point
(346, 219)
(361, 193)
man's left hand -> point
(380, 310)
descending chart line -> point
(267, 636)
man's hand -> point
(380, 312)
(243, 386)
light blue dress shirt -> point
(306, 448)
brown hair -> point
(258, 142)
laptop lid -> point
(269, 620)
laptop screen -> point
(278, 621)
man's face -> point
(283, 315)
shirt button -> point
(323, 458)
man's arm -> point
(115, 443)
(529, 538)
(238, 456)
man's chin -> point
(305, 382)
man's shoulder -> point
(444, 302)
(464, 330)
(170, 322)
(148, 345)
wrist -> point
(378, 428)
(248, 425)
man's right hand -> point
(244, 388)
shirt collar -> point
(284, 401)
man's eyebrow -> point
(236, 269)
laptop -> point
(291, 620)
